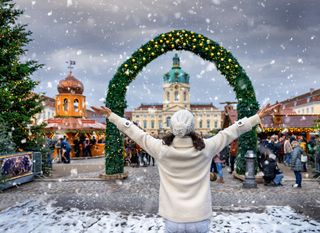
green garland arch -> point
(178, 40)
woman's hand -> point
(266, 110)
(102, 110)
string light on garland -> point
(178, 40)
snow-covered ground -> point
(44, 217)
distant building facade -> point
(307, 103)
(47, 112)
(155, 118)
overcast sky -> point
(277, 42)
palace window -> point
(160, 124)
(200, 124)
(152, 124)
(145, 124)
(176, 96)
(168, 96)
(76, 105)
(215, 124)
(65, 105)
(208, 124)
(185, 96)
(168, 121)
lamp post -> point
(250, 180)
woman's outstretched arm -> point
(150, 144)
(216, 143)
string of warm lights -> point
(289, 130)
(178, 40)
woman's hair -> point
(197, 141)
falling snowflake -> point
(216, 2)
(69, 3)
(74, 172)
(177, 15)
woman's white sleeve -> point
(216, 143)
(150, 144)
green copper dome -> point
(176, 74)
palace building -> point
(155, 118)
(307, 103)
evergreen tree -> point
(17, 101)
(6, 144)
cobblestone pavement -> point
(79, 187)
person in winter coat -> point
(65, 146)
(272, 173)
(287, 151)
(86, 148)
(296, 164)
(233, 154)
(184, 160)
(304, 157)
(219, 162)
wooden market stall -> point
(70, 120)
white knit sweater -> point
(185, 194)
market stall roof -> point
(74, 124)
(289, 121)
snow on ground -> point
(43, 217)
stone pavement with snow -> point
(74, 199)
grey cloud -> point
(256, 32)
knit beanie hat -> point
(182, 123)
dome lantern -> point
(176, 74)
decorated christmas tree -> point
(17, 103)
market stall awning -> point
(74, 124)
